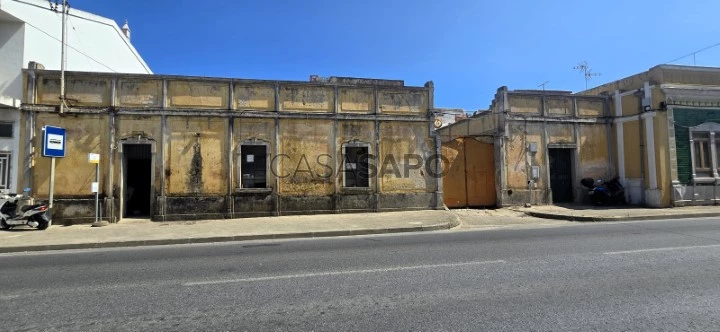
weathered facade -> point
(664, 127)
(176, 147)
(655, 130)
(543, 143)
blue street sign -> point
(53, 142)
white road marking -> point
(8, 297)
(336, 273)
(660, 249)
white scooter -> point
(31, 215)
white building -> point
(447, 116)
(30, 30)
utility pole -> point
(63, 47)
(63, 43)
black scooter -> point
(601, 192)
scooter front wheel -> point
(3, 224)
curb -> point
(119, 244)
(546, 215)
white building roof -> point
(95, 43)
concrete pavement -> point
(574, 212)
(500, 218)
(130, 233)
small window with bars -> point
(5, 170)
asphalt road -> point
(660, 275)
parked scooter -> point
(605, 192)
(31, 215)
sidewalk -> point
(129, 233)
(596, 213)
(501, 218)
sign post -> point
(94, 158)
(53, 147)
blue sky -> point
(468, 48)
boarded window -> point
(253, 166)
(356, 167)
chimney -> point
(35, 65)
(126, 29)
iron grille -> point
(4, 170)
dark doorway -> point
(561, 175)
(138, 179)
(356, 167)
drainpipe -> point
(499, 146)
(528, 164)
(378, 159)
(439, 202)
(230, 141)
(650, 137)
(276, 149)
(620, 139)
(110, 198)
(641, 139)
(334, 132)
(164, 139)
(30, 129)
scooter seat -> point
(29, 207)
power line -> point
(82, 45)
(694, 53)
(70, 46)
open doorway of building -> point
(137, 180)
(561, 175)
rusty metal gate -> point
(470, 177)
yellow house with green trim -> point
(665, 122)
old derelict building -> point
(529, 147)
(657, 131)
(176, 147)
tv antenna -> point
(584, 68)
(543, 85)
